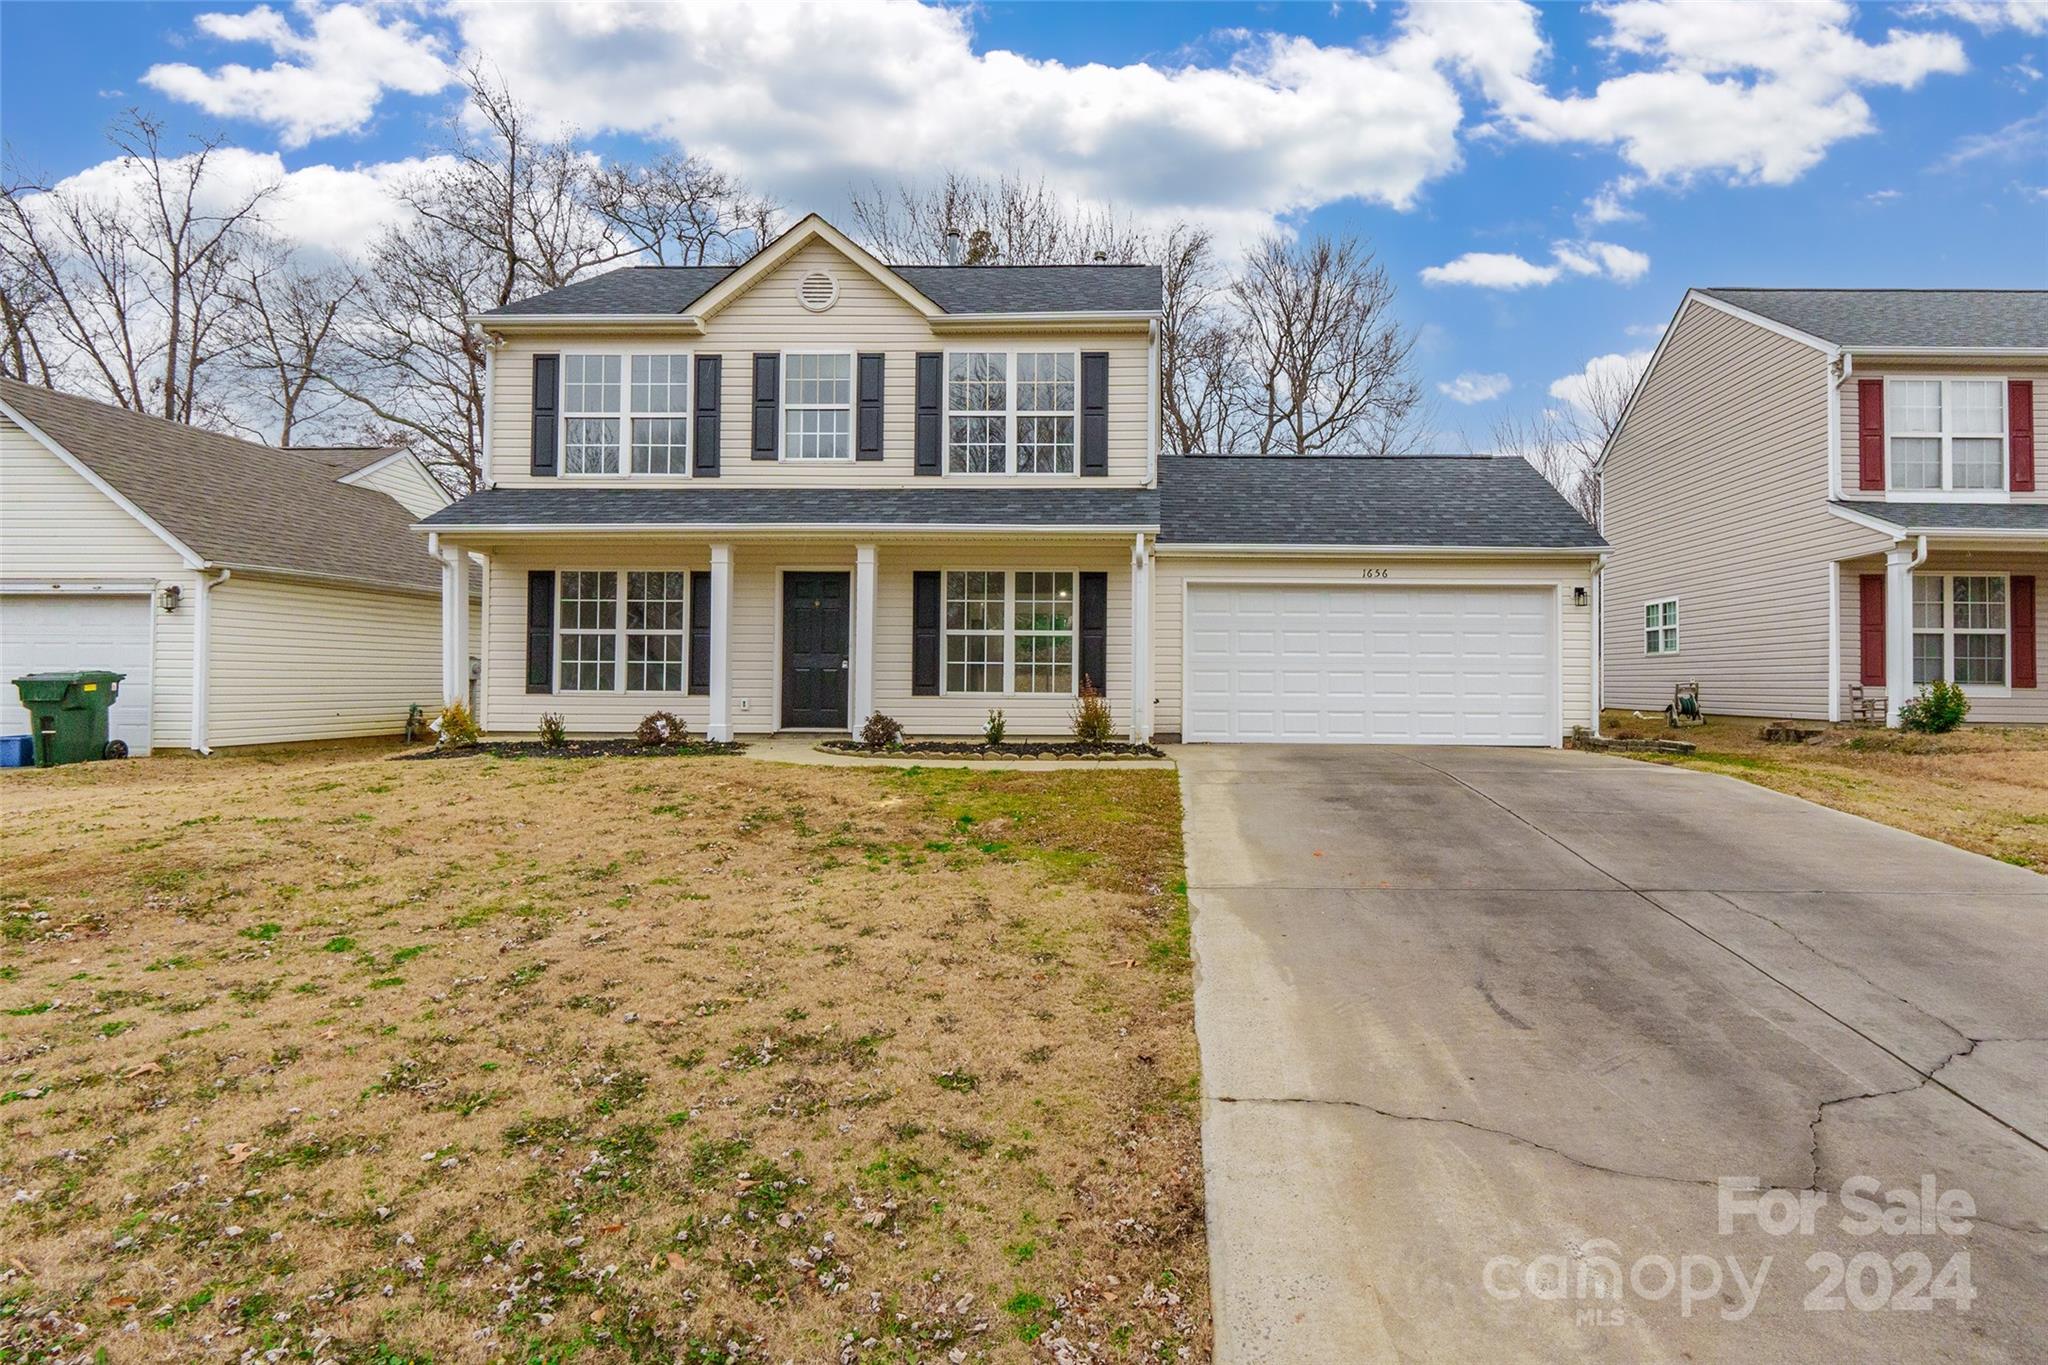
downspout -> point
(1840, 366)
(202, 631)
(1599, 643)
(1152, 405)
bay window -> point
(817, 406)
(593, 634)
(1946, 435)
(1961, 629)
(625, 413)
(1012, 412)
(1010, 632)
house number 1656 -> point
(1375, 573)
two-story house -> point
(1823, 496)
(787, 494)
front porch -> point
(805, 633)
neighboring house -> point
(251, 595)
(784, 495)
(1821, 494)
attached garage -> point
(53, 632)
(1371, 664)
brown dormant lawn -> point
(357, 1059)
(1983, 788)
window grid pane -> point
(1976, 407)
(661, 384)
(1926, 657)
(588, 613)
(1980, 659)
(1977, 462)
(1914, 405)
(977, 403)
(661, 445)
(1978, 603)
(974, 631)
(1916, 462)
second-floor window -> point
(1946, 435)
(817, 406)
(625, 413)
(1011, 412)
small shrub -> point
(996, 728)
(554, 729)
(661, 727)
(1939, 708)
(1093, 724)
(881, 732)
(455, 727)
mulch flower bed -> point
(586, 748)
(973, 748)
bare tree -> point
(1001, 220)
(1564, 441)
(681, 210)
(286, 320)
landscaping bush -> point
(455, 727)
(881, 732)
(996, 727)
(554, 729)
(661, 727)
(1093, 724)
(1939, 708)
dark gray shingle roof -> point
(1904, 317)
(234, 502)
(648, 289)
(709, 504)
(1956, 516)
(1430, 500)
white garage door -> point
(1371, 665)
(49, 632)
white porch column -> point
(1834, 711)
(1141, 641)
(863, 661)
(719, 727)
(454, 625)
(1899, 563)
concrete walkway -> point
(804, 749)
(1478, 1024)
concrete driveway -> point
(1483, 1031)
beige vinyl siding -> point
(55, 527)
(1972, 367)
(297, 661)
(867, 317)
(1173, 572)
(755, 674)
(1715, 493)
(407, 483)
(2024, 705)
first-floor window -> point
(1660, 627)
(657, 628)
(588, 623)
(1960, 626)
(1010, 632)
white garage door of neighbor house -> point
(53, 632)
(1371, 665)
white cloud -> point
(2023, 138)
(2028, 16)
(328, 76)
(1504, 270)
(1885, 196)
(1599, 379)
(1473, 387)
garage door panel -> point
(1353, 664)
(64, 632)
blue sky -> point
(1542, 184)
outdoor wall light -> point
(1578, 597)
(170, 596)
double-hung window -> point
(1946, 435)
(651, 634)
(817, 405)
(1660, 627)
(1010, 632)
(1011, 412)
(625, 413)
(1961, 629)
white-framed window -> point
(657, 630)
(1660, 627)
(1962, 629)
(586, 631)
(817, 405)
(661, 414)
(1945, 435)
(1012, 412)
(604, 617)
(625, 412)
(1011, 632)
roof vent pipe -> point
(955, 246)
(1102, 258)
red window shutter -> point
(1870, 433)
(2022, 605)
(1870, 625)
(2019, 416)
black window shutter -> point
(1095, 630)
(700, 634)
(929, 380)
(1095, 413)
(767, 398)
(924, 633)
(547, 374)
(709, 382)
(868, 429)
(540, 630)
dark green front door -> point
(815, 623)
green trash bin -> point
(68, 715)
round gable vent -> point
(818, 291)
